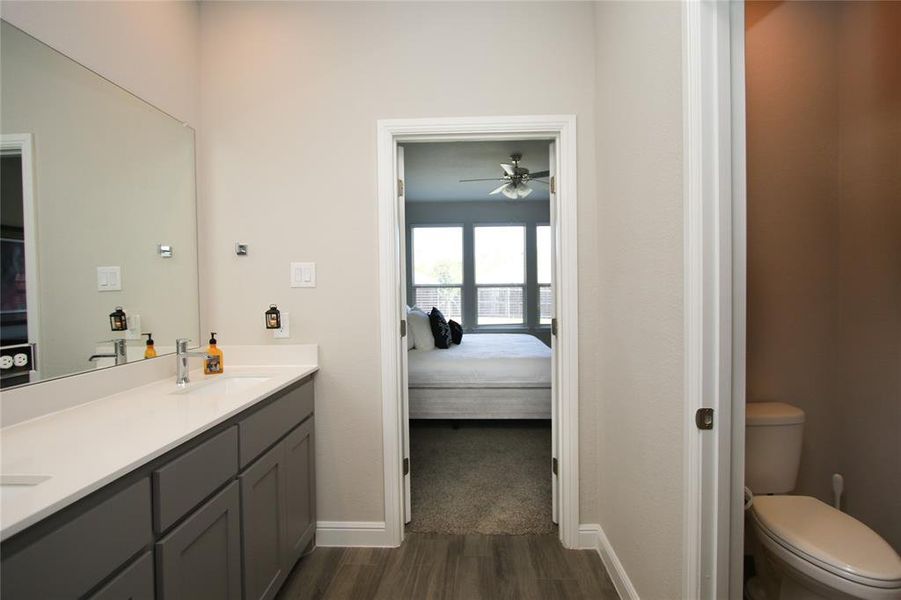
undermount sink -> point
(23, 480)
(226, 386)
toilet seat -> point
(828, 545)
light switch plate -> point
(109, 279)
(285, 330)
(303, 274)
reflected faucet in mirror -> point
(181, 361)
(119, 352)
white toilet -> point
(804, 548)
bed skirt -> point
(480, 403)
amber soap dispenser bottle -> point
(213, 364)
(150, 349)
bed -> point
(487, 376)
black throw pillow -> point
(456, 331)
(440, 329)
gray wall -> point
(469, 214)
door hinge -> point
(403, 328)
(553, 184)
(554, 465)
(554, 326)
(400, 187)
(704, 418)
(406, 466)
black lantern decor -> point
(117, 320)
(273, 318)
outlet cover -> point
(285, 330)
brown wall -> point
(824, 240)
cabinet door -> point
(134, 583)
(263, 524)
(201, 558)
(300, 491)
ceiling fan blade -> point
(537, 174)
(488, 179)
(523, 191)
(508, 169)
(539, 181)
(498, 190)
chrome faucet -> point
(119, 352)
(181, 361)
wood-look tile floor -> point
(452, 567)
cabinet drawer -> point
(134, 583)
(70, 560)
(264, 427)
(185, 482)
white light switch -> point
(285, 330)
(109, 279)
(303, 274)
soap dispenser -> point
(213, 364)
(150, 350)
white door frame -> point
(713, 105)
(561, 128)
(21, 143)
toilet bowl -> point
(805, 549)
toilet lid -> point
(830, 538)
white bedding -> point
(487, 360)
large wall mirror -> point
(98, 212)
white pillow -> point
(422, 329)
(411, 343)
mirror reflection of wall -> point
(92, 177)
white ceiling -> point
(433, 170)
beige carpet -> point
(490, 477)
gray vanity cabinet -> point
(224, 516)
(277, 491)
(201, 557)
(300, 490)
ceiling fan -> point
(515, 179)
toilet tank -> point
(773, 435)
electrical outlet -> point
(285, 330)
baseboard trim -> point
(592, 537)
(352, 533)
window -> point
(500, 271)
(545, 295)
(438, 269)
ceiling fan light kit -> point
(515, 178)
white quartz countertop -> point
(83, 448)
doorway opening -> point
(18, 268)
(478, 257)
(506, 304)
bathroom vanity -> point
(160, 492)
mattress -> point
(483, 360)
